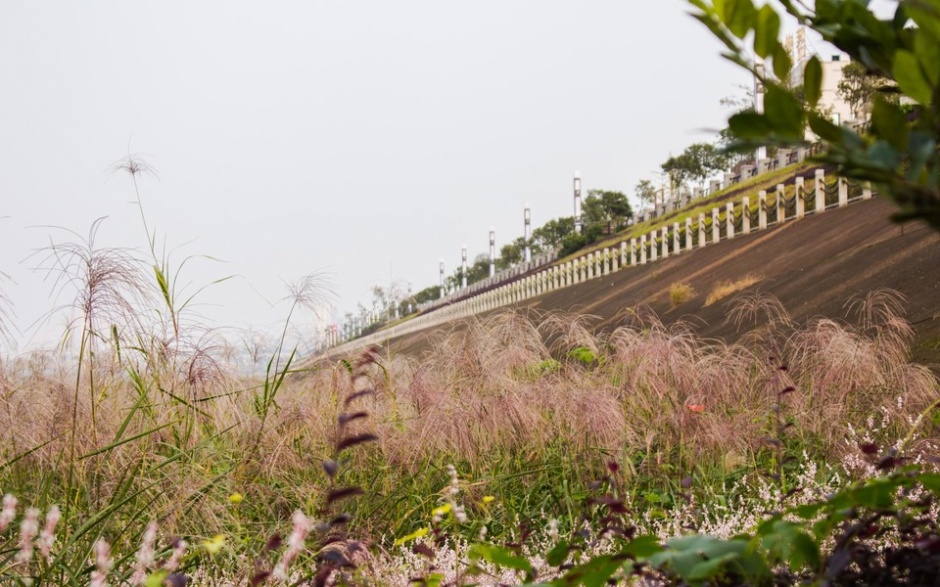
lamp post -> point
(761, 152)
(577, 202)
(442, 278)
(463, 267)
(492, 251)
(528, 233)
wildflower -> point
(454, 488)
(145, 555)
(102, 564)
(236, 498)
(488, 499)
(214, 545)
(552, 530)
(295, 543)
(9, 511)
(29, 527)
(47, 536)
(179, 549)
(697, 408)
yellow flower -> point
(440, 511)
(215, 545)
(236, 498)
(488, 499)
(419, 533)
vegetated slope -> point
(815, 267)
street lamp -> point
(577, 202)
(528, 233)
(442, 278)
(463, 267)
(492, 251)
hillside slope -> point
(814, 267)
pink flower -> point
(697, 408)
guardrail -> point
(808, 194)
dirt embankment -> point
(814, 267)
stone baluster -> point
(843, 192)
(745, 215)
(781, 207)
(820, 191)
(701, 229)
(716, 225)
(664, 232)
(729, 219)
(761, 210)
(798, 194)
(866, 190)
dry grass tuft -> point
(680, 293)
(726, 288)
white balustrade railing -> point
(541, 276)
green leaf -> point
(909, 76)
(749, 125)
(766, 31)
(782, 63)
(558, 554)
(500, 556)
(740, 17)
(825, 129)
(927, 17)
(784, 112)
(812, 81)
(889, 123)
(930, 481)
(927, 49)
(593, 573)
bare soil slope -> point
(814, 266)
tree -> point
(704, 160)
(645, 191)
(858, 88)
(550, 235)
(605, 206)
(897, 151)
(679, 169)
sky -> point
(363, 141)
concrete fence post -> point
(745, 215)
(676, 247)
(688, 234)
(716, 225)
(729, 219)
(761, 210)
(843, 192)
(664, 232)
(820, 191)
(615, 257)
(781, 208)
(701, 229)
(654, 246)
(798, 197)
(623, 253)
(643, 249)
(866, 190)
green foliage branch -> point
(897, 150)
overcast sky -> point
(366, 139)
